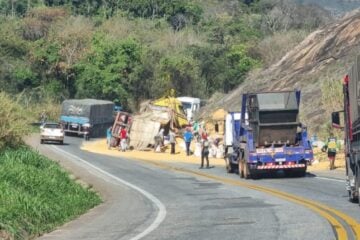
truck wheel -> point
(41, 141)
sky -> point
(337, 7)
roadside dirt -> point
(99, 146)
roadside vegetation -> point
(37, 195)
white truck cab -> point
(190, 105)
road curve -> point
(211, 205)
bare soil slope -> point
(325, 55)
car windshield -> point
(53, 126)
(186, 105)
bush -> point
(13, 121)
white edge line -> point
(162, 210)
(331, 179)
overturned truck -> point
(87, 116)
(165, 113)
(269, 136)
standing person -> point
(331, 146)
(108, 137)
(123, 138)
(172, 140)
(86, 129)
(188, 136)
(43, 117)
(159, 140)
(204, 134)
(205, 153)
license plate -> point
(52, 137)
(280, 160)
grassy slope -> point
(37, 195)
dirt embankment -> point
(325, 55)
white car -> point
(51, 132)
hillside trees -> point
(128, 51)
(106, 71)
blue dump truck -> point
(269, 136)
(87, 117)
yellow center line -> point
(323, 210)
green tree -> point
(181, 72)
(106, 71)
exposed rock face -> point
(334, 46)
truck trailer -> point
(87, 116)
(269, 136)
(348, 119)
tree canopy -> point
(131, 50)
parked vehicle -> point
(190, 105)
(87, 117)
(348, 119)
(269, 136)
(232, 129)
(52, 132)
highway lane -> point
(198, 207)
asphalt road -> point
(153, 201)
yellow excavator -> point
(170, 101)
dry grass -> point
(13, 120)
(275, 46)
(153, 32)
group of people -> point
(188, 136)
(123, 135)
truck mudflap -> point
(288, 166)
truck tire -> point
(41, 141)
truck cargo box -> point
(273, 117)
(354, 92)
(78, 113)
(92, 110)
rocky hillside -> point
(316, 66)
